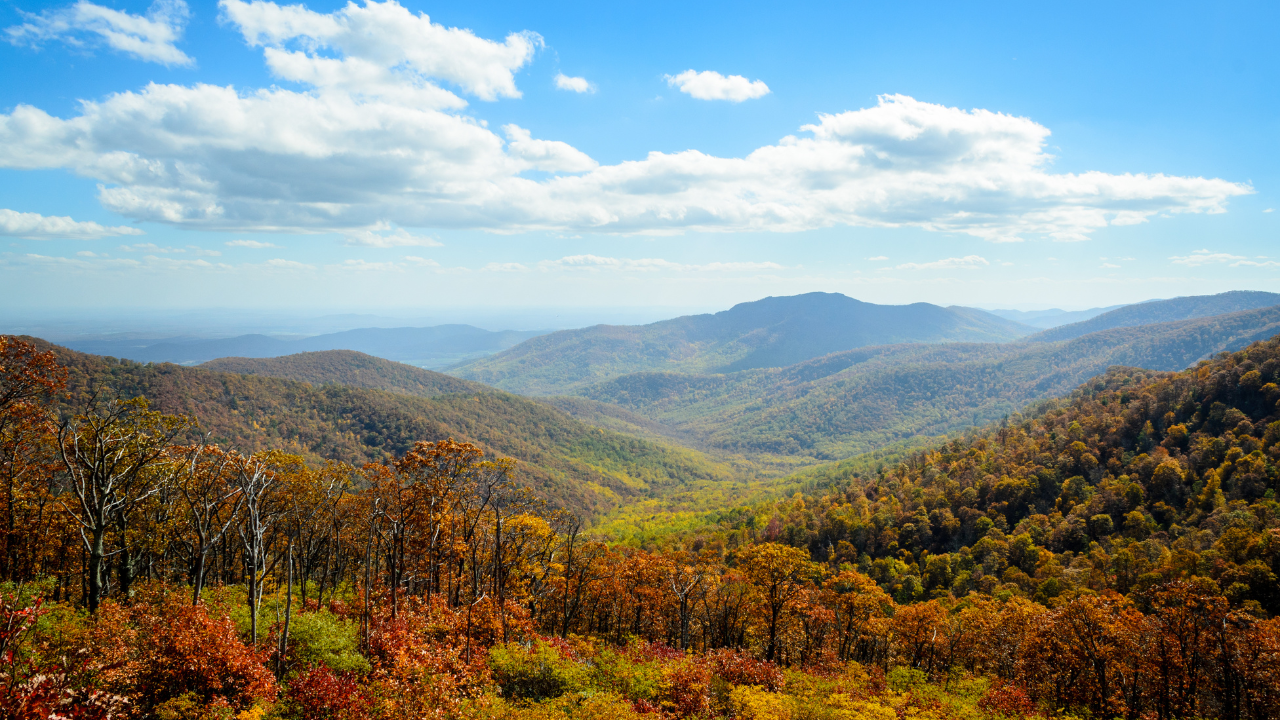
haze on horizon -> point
(605, 162)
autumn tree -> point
(116, 455)
(779, 573)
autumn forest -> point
(331, 536)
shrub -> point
(321, 638)
(182, 651)
(752, 702)
(537, 672)
(322, 694)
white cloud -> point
(1204, 257)
(1110, 266)
(711, 85)
(378, 237)
(421, 261)
(548, 155)
(366, 266)
(877, 258)
(574, 84)
(340, 155)
(1254, 263)
(968, 262)
(281, 264)
(1269, 210)
(504, 267)
(34, 226)
(381, 45)
(254, 244)
(150, 37)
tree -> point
(779, 573)
(116, 456)
(212, 501)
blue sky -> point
(422, 155)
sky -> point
(416, 157)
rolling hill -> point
(1162, 311)
(773, 332)
(859, 400)
(570, 463)
(424, 346)
(349, 368)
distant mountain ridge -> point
(772, 332)
(859, 400)
(1051, 318)
(1162, 311)
(435, 346)
(349, 368)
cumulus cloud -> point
(968, 262)
(877, 258)
(380, 46)
(548, 155)
(254, 244)
(711, 85)
(343, 155)
(573, 84)
(149, 37)
(1255, 263)
(378, 237)
(34, 226)
(1204, 257)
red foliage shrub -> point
(33, 689)
(322, 694)
(182, 651)
(739, 668)
(686, 689)
(1008, 699)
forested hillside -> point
(773, 332)
(571, 464)
(852, 402)
(1139, 479)
(350, 368)
(1163, 311)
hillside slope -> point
(853, 402)
(1140, 478)
(773, 332)
(350, 368)
(1162, 311)
(569, 463)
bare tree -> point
(256, 481)
(213, 502)
(116, 455)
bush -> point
(321, 694)
(182, 651)
(538, 672)
(321, 638)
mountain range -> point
(432, 347)
(773, 332)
